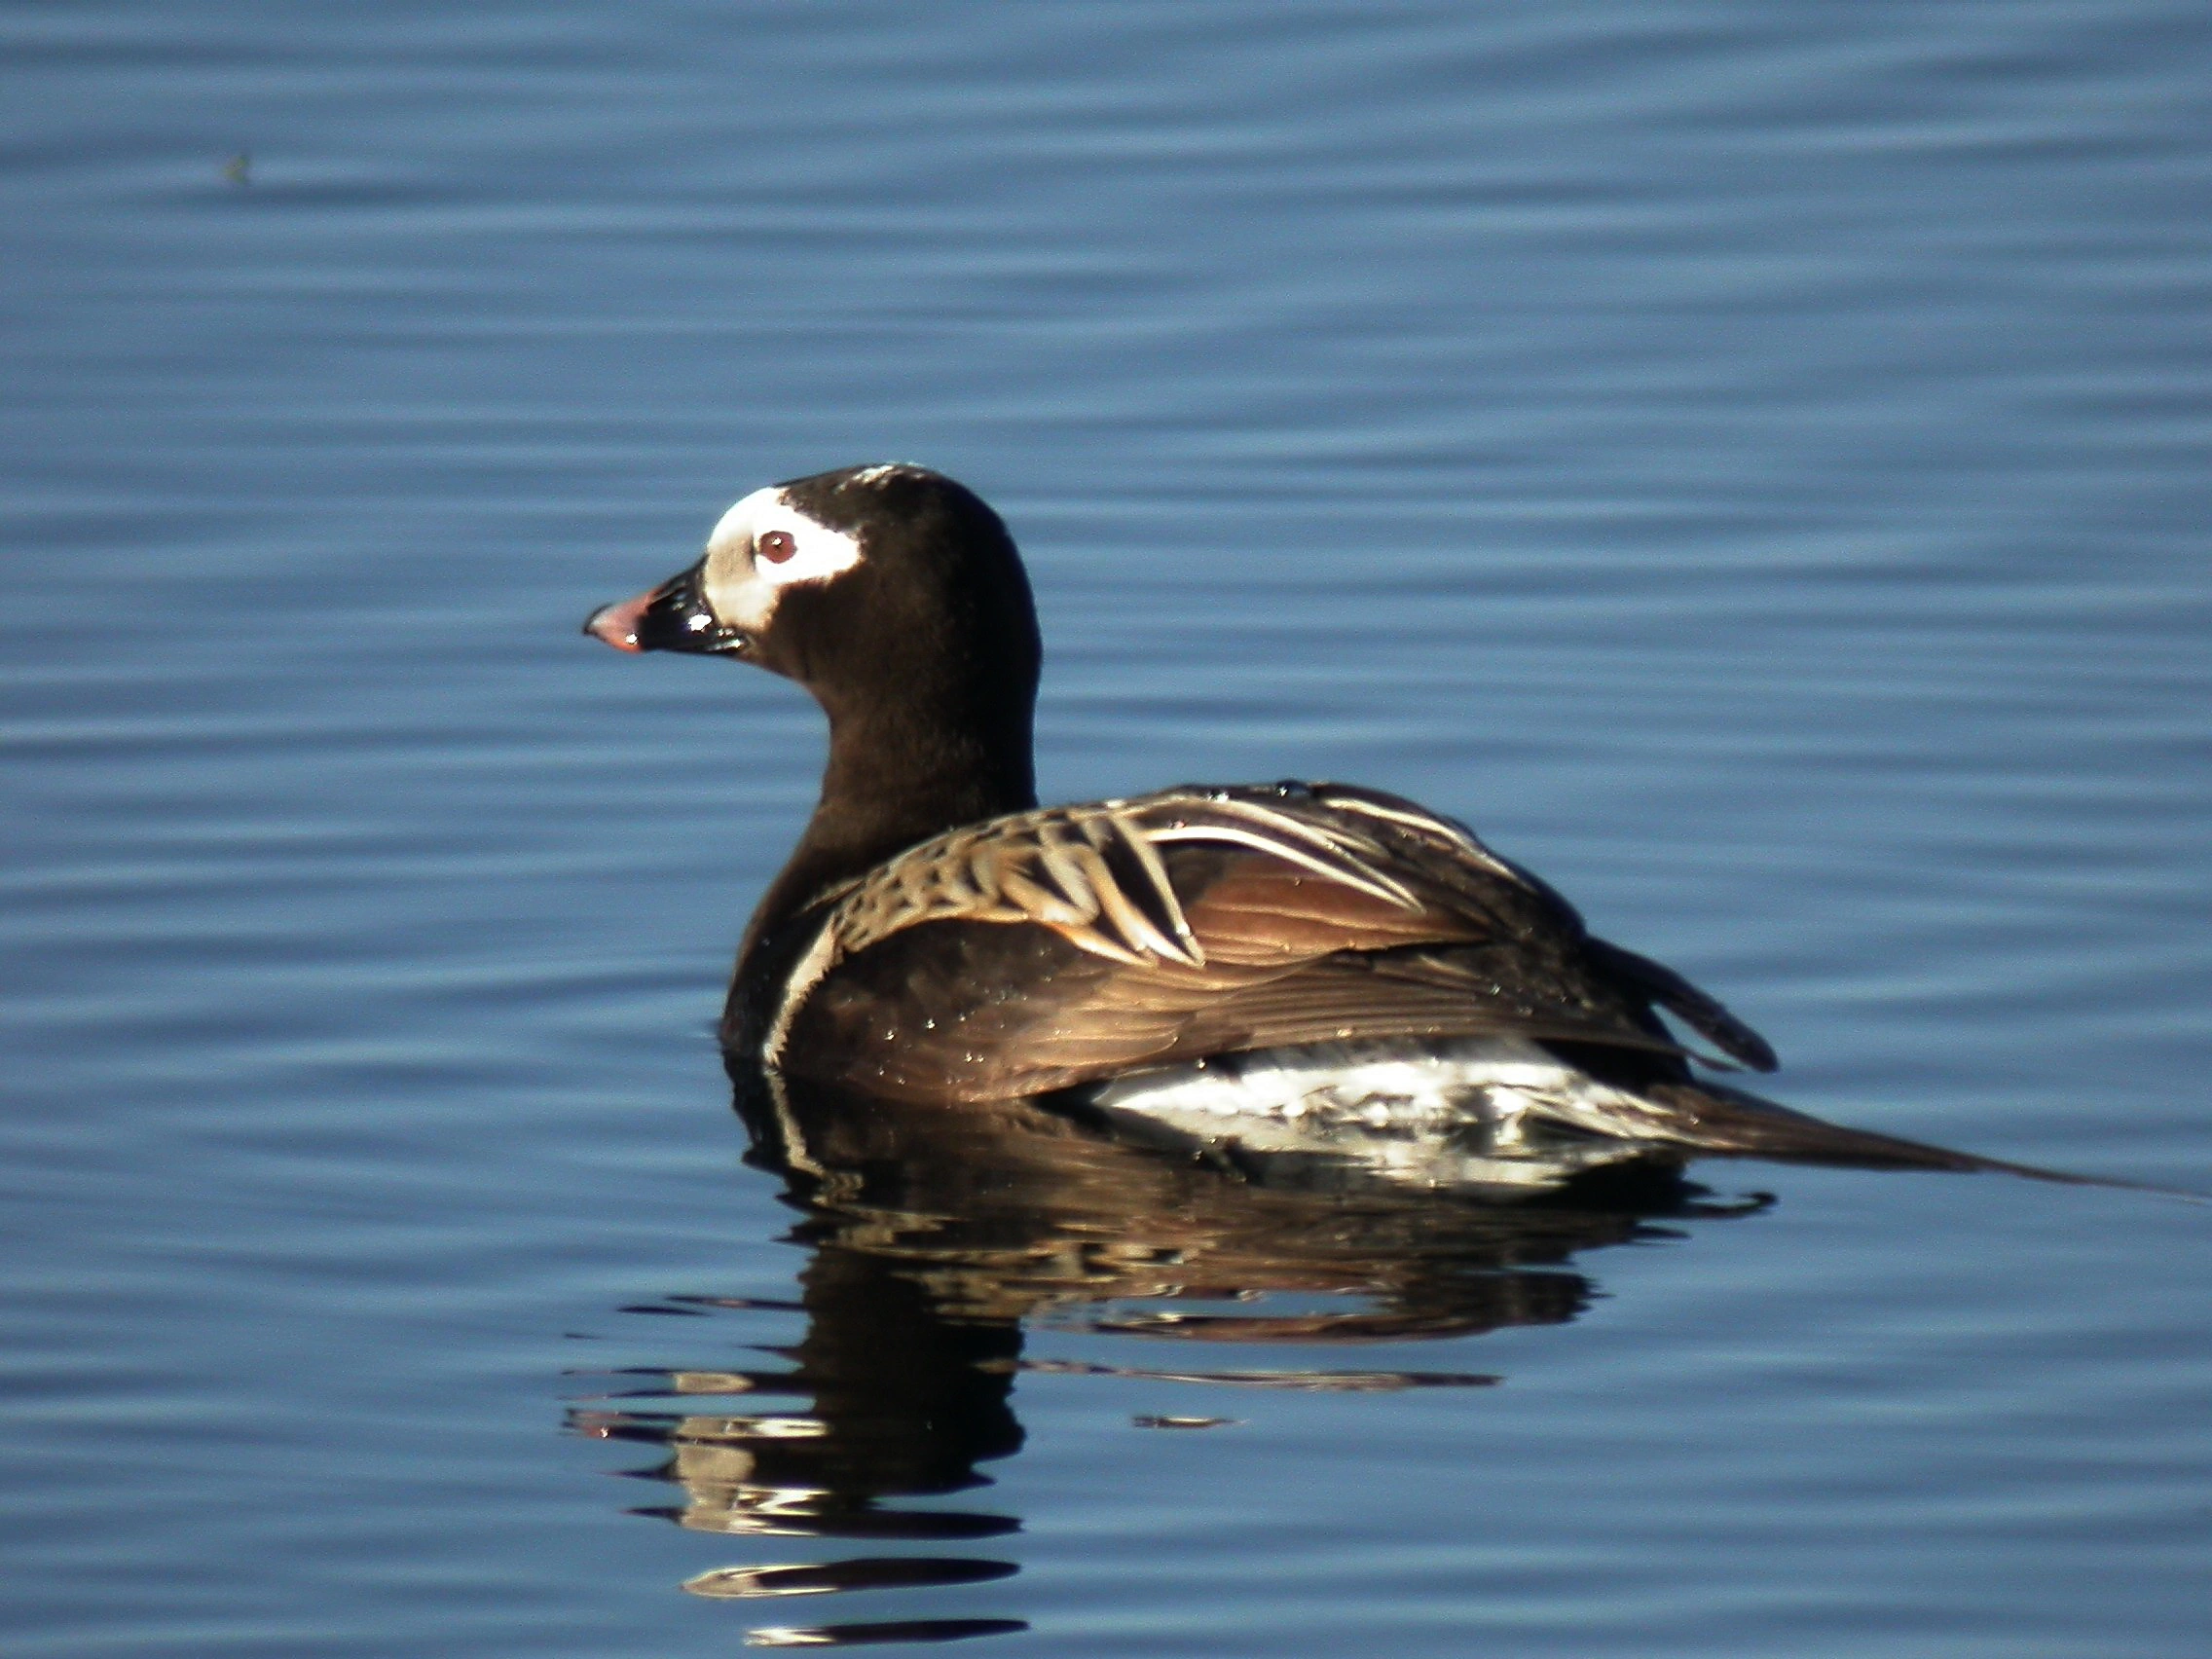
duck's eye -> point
(776, 546)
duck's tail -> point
(1733, 1122)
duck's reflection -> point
(938, 1238)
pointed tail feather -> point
(1734, 1122)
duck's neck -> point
(898, 774)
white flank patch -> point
(1428, 1114)
(741, 588)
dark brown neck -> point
(898, 774)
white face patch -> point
(744, 576)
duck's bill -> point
(671, 617)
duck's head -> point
(895, 596)
(867, 581)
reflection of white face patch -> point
(742, 588)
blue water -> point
(1750, 460)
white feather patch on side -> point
(1425, 1114)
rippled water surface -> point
(1749, 459)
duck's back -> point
(1068, 944)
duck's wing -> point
(1448, 852)
(1053, 948)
